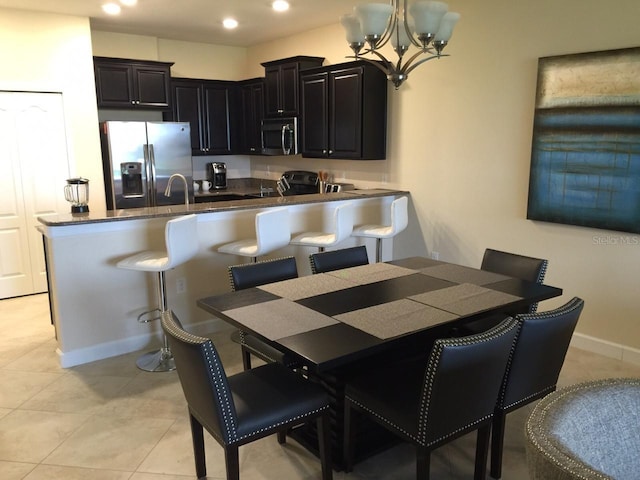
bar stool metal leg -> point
(159, 360)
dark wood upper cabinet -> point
(251, 109)
(282, 84)
(132, 84)
(208, 106)
(344, 112)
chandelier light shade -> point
(429, 28)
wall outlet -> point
(435, 255)
(181, 285)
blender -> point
(76, 191)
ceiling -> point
(200, 20)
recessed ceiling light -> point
(280, 5)
(128, 3)
(111, 8)
(230, 23)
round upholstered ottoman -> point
(587, 431)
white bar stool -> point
(399, 221)
(342, 227)
(181, 240)
(272, 232)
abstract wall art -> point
(585, 160)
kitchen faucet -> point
(167, 192)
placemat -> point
(307, 286)
(395, 318)
(460, 274)
(374, 272)
(279, 318)
(464, 299)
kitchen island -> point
(94, 304)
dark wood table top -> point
(329, 320)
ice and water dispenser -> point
(131, 179)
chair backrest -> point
(336, 259)
(541, 346)
(399, 214)
(181, 239)
(514, 265)
(272, 230)
(343, 222)
(203, 380)
(519, 266)
(250, 275)
(462, 382)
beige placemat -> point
(279, 318)
(374, 272)
(395, 318)
(461, 274)
(465, 298)
(308, 286)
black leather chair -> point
(250, 275)
(519, 266)
(250, 405)
(336, 259)
(431, 403)
(534, 367)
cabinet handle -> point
(280, 111)
(330, 152)
(252, 149)
(324, 152)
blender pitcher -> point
(76, 191)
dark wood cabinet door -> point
(217, 111)
(114, 85)
(314, 137)
(272, 91)
(187, 107)
(152, 86)
(122, 83)
(345, 121)
(289, 90)
(251, 115)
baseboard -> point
(605, 348)
(120, 347)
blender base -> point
(79, 208)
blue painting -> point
(585, 160)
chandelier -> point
(429, 28)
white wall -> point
(52, 53)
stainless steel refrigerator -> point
(140, 157)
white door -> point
(34, 166)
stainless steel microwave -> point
(279, 136)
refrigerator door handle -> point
(152, 166)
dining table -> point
(339, 323)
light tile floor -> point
(110, 421)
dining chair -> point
(181, 244)
(322, 262)
(398, 222)
(272, 233)
(431, 403)
(341, 228)
(534, 367)
(526, 268)
(250, 275)
(244, 407)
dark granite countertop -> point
(243, 202)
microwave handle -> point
(285, 129)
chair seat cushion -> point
(315, 239)
(149, 261)
(246, 248)
(270, 396)
(393, 393)
(374, 231)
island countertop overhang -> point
(60, 220)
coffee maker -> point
(76, 192)
(217, 175)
